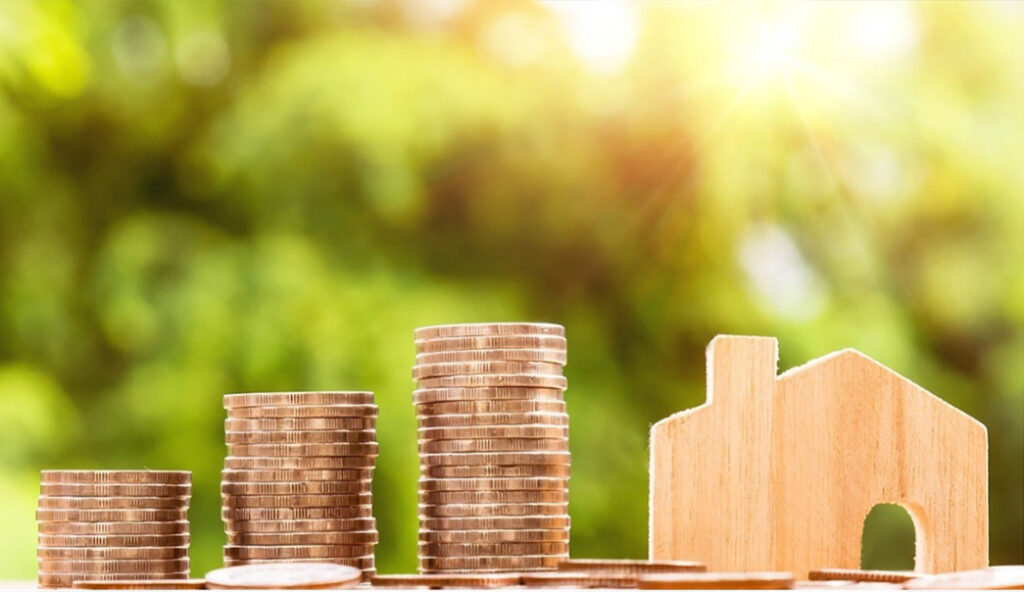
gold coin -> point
(476, 329)
(496, 458)
(998, 577)
(92, 566)
(280, 475)
(472, 581)
(66, 580)
(115, 490)
(717, 581)
(61, 527)
(494, 536)
(296, 488)
(365, 537)
(549, 381)
(303, 411)
(552, 356)
(503, 562)
(630, 566)
(290, 399)
(250, 527)
(179, 584)
(479, 549)
(100, 553)
(118, 477)
(533, 432)
(489, 471)
(361, 563)
(285, 576)
(298, 463)
(485, 523)
(296, 501)
(492, 420)
(861, 575)
(457, 402)
(299, 424)
(295, 551)
(345, 449)
(499, 509)
(305, 437)
(117, 540)
(512, 484)
(330, 513)
(495, 497)
(51, 502)
(452, 344)
(495, 445)
(44, 515)
(575, 579)
(421, 371)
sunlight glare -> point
(601, 32)
(779, 274)
(773, 44)
(882, 30)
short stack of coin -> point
(113, 525)
(494, 447)
(296, 485)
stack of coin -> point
(296, 485)
(113, 525)
(494, 447)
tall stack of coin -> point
(296, 484)
(494, 447)
(113, 525)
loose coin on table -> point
(717, 581)
(998, 577)
(283, 576)
(861, 575)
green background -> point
(204, 198)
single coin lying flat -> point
(861, 575)
(286, 576)
(717, 581)
(999, 577)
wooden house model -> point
(778, 472)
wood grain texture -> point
(779, 472)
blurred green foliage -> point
(203, 198)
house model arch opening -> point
(779, 471)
